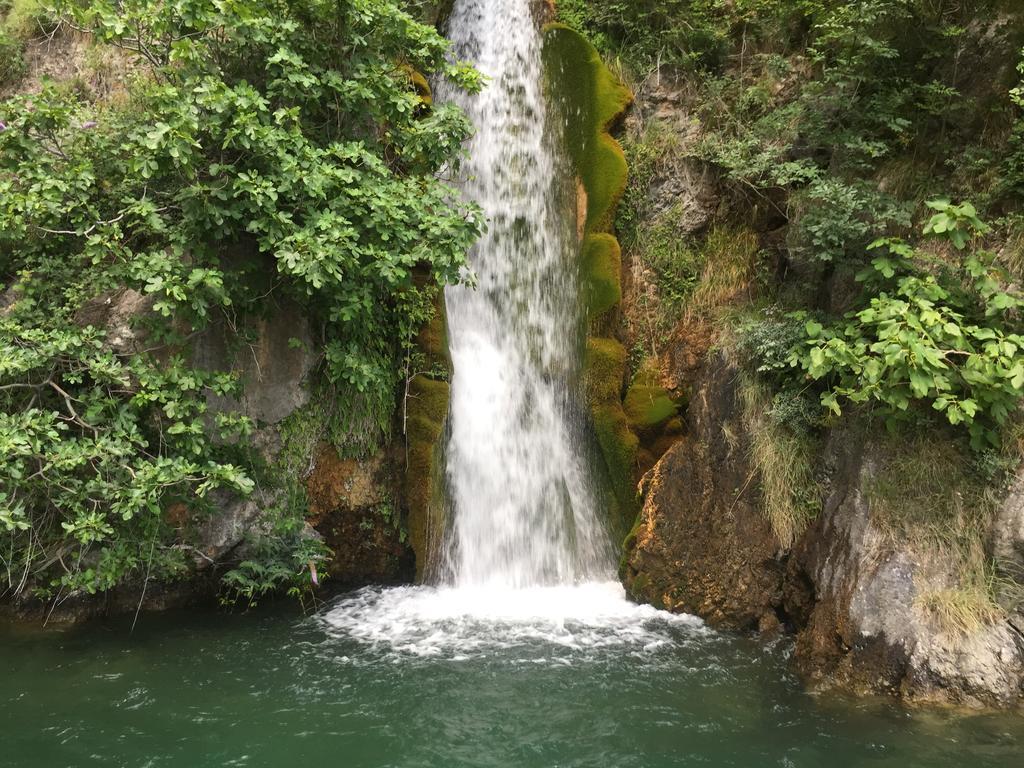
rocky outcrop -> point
(859, 596)
(860, 599)
(701, 544)
(121, 314)
(855, 596)
(273, 368)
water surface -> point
(407, 678)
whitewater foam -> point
(582, 621)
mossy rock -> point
(619, 446)
(433, 337)
(592, 99)
(602, 274)
(604, 371)
(426, 419)
(647, 403)
(420, 85)
(425, 427)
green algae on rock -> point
(602, 275)
(426, 415)
(592, 100)
(647, 403)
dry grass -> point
(969, 606)
(1012, 253)
(926, 495)
(729, 258)
(924, 489)
(785, 465)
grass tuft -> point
(784, 463)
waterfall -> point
(524, 511)
(527, 563)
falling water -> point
(527, 562)
(523, 501)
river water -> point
(194, 690)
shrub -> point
(948, 338)
(12, 59)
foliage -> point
(948, 337)
(24, 19)
(646, 32)
(284, 558)
(260, 137)
(763, 344)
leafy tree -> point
(256, 136)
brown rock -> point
(351, 506)
(702, 545)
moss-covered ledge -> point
(592, 100)
(426, 415)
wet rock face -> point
(702, 545)
(351, 506)
(866, 631)
(273, 368)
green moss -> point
(592, 99)
(602, 274)
(426, 415)
(604, 370)
(647, 403)
(627, 548)
(433, 338)
(619, 446)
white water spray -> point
(527, 560)
(524, 508)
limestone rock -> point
(867, 631)
(273, 368)
(228, 527)
(120, 313)
(701, 544)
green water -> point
(273, 689)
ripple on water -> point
(565, 622)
